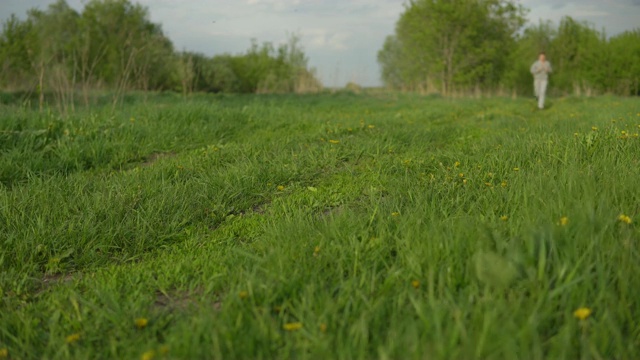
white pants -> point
(540, 87)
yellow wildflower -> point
(503, 184)
(624, 218)
(72, 338)
(504, 218)
(371, 126)
(582, 313)
(415, 284)
(464, 181)
(141, 323)
(4, 353)
(323, 327)
(148, 355)
(334, 141)
(243, 294)
(564, 221)
(456, 164)
(164, 349)
(489, 184)
(292, 326)
(594, 128)
(394, 214)
(316, 251)
(461, 175)
(280, 188)
(516, 169)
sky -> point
(340, 37)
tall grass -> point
(321, 226)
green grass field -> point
(321, 227)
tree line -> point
(463, 46)
(113, 45)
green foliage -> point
(623, 68)
(465, 45)
(14, 51)
(451, 45)
(113, 45)
(333, 226)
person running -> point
(541, 70)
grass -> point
(326, 226)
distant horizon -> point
(341, 38)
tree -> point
(454, 44)
(579, 57)
(15, 60)
(623, 51)
(52, 51)
(533, 40)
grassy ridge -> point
(321, 226)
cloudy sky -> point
(341, 37)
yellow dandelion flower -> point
(148, 355)
(72, 338)
(243, 294)
(334, 141)
(461, 175)
(504, 218)
(4, 353)
(503, 184)
(316, 251)
(593, 128)
(415, 284)
(564, 221)
(323, 327)
(371, 126)
(295, 326)
(394, 214)
(141, 323)
(582, 313)
(576, 134)
(456, 164)
(464, 181)
(280, 188)
(164, 350)
(624, 218)
(516, 169)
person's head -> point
(542, 56)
